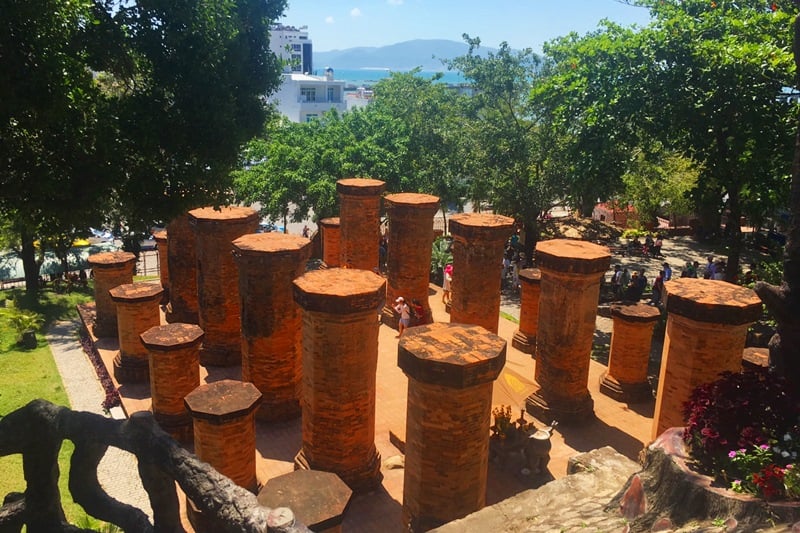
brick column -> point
(137, 311)
(478, 240)
(217, 287)
(524, 338)
(410, 246)
(451, 369)
(174, 373)
(109, 269)
(330, 241)
(163, 262)
(359, 217)
(626, 377)
(271, 352)
(571, 274)
(320, 499)
(707, 325)
(223, 413)
(182, 266)
(340, 358)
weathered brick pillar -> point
(340, 359)
(182, 263)
(223, 414)
(707, 325)
(217, 275)
(330, 241)
(451, 369)
(409, 259)
(571, 274)
(271, 334)
(626, 377)
(137, 311)
(174, 373)
(319, 498)
(478, 240)
(109, 269)
(524, 338)
(359, 218)
(163, 262)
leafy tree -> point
(136, 109)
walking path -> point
(117, 472)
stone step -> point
(572, 503)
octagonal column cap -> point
(258, 244)
(223, 401)
(635, 312)
(110, 259)
(480, 226)
(222, 216)
(340, 290)
(360, 187)
(330, 222)
(172, 337)
(452, 355)
(160, 236)
(530, 276)
(410, 201)
(714, 301)
(136, 292)
(572, 256)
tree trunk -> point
(29, 264)
(734, 234)
(531, 238)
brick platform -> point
(217, 291)
(271, 322)
(707, 325)
(359, 218)
(524, 338)
(626, 378)
(478, 240)
(409, 256)
(451, 368)
(571, 274)
(174, 373)
(331, 251)
(110, 269)
(182, 266)
(137, 311)
(340, 352)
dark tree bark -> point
(29, 264)
(783, 301)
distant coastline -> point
(368, 76)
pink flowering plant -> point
(744, 430)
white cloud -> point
(355, 12)
(395, 2)
(329, 20)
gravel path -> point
(117, 472)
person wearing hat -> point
(448, 279)
(402, 309)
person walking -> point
(667, 271)
(402, 309)
(446, 284)
(616, 282)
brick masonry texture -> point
(217, 290)
(530, 288)
(359, 218)
(271, 324)
(478, 240)
(182, 266)
(137, 311)
(163, 257)
(110, 269)
(331, 233)
(570, 288)
(174, 373)
(340, 357)
(409, 255)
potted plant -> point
(25, 323)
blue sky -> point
(338, 24)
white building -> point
(292, 46)
(302, 97)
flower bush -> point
(744, 430)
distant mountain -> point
(424, 53)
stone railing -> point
(37, 430)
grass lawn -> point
(29, 374)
